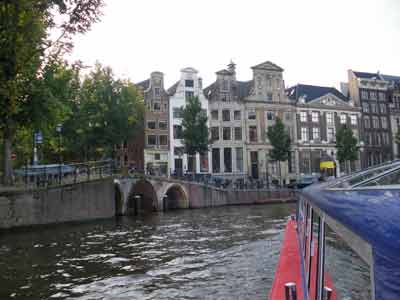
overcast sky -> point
(315, 41)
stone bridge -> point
(133, 195)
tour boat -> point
(363, 210)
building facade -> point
(227, 126)
(189, 85)
(265, 101)
(370, 92)
(155, 139)
(320, 112)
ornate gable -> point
(329, 100)
(268, 66)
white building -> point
(188, 86)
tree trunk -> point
(7, 164)
(280, 173)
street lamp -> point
(361, 146)
(59, 130)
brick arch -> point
(174, 196)
(148, 201)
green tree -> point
(195, 129)
(26, 46)
(346, 144)
(106, 112)
(280, 142)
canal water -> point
(218, 253)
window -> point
(156, 106)
(151, 140)
(226, 115)
(303, 116)
(237, 115)
(177, 131)
(382, 96)
(253, 133)
(382, 108)
(224, 97)
(188, 95)
(329, 118)
(238, 133)
(378, 139)
(372, 95)
(163, 140)
(178, 151)
(162, 125)
(239, 159)
(270, 116)
(367, 123)
(375, 122)
(269, 96)
(189, 83)
(304, 134)
(365, 107)
(215, 133)
(227, 160)
(177, 112)
(215, 160)
(224, 85)
(331, 134)
(374, 108)
(315, 116)
(151, 125)
(157, 156)
(315, 133)
(226, 133)
(353, 119)
(288, 116)
(364, 94)
(204, 162)
(343, 119)
(384, 123)
(214, 115)
(251, 115)
(157, 92)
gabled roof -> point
(267, 65)
(311, 92)
(223, 72)
(391, 78)
(172, 90)
(366, 75)
(144, 84)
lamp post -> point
(361, 146)
(59, 130)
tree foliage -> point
(280, 141)
(26, 47)
(346, 144)
(195, 129)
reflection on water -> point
(219, 253)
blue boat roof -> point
(368, 203)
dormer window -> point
(303, 116)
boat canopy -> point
(368, 204)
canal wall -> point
(206, 196)
(76, 202)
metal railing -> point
(42, 176)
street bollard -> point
(290, 291)
(327, 293)
(165, 199)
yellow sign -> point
(327, 165)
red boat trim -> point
(289, 268)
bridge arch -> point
(147, 200)
(174, 196)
